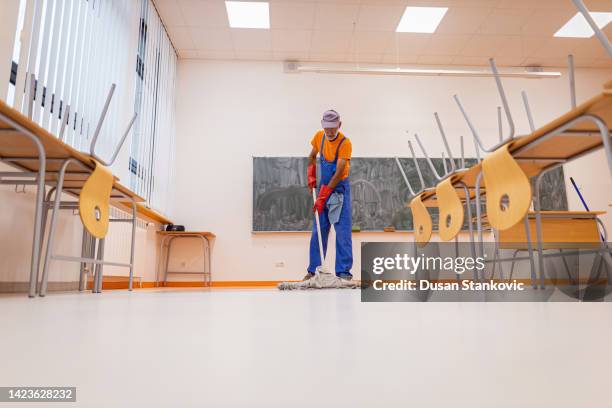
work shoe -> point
(308, 276)
(345, 276)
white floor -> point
(263, 348)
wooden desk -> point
(43, 160)
(560, 230)
(164, 256)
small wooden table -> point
(170, 236)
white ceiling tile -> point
(292, 15)
(379, 18)
(254, 55)
(170, 12)
(445, 44)
(331, 41)
(188, 54)
(601, 63)
(204, 13)
(336, 17)
(480, 46)
(463, 20)
(559, 47)
(590, 48)
(371, 41)
(180, 37)
(408, 43)
(290, 55)
(546, 22)
(545, 62)
(212, 39)
(475, 61)
(509, 46)
(505, 21)
(473, 3)
(396, 3)
(509, 61)
(291, 40)
(217, 55)
(430, 3)
(552, 5)
(394, 59)
(251, 39)
(328, 57)
(367, 57)
(435, 59)
(598, 5)
(533, 44)
(513, 31)
(502, 61)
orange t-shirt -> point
(329, 149)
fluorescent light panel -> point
(418, 72)
(248, 14)
(421, 19)
(577, 26)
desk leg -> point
(160, 260)
(538, 216)
(468, 209)
(133, 245)
(83, 264)
(497, 255)
(207, 259)
(52, 225)
(38, 217)
(98, 279)
(530, 249)
(168, 258)
(479, 217)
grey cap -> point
(331, 119)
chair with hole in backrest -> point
(448, 199)
(421, 218)
(94, 201)
(508, 189)
(451, 213)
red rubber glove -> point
(324, 194)
(312, 176)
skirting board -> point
(22, 287)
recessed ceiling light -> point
(248, 14)
(421, 19)
(577, 26)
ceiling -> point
(515, 32)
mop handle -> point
(584, 204)
(314, 197)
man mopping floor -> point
(332, 207)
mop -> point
(322, 279)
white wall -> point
(228, 112)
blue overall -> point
(344, 244)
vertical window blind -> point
(152, 151)
(66, 56)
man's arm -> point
(312, 159)
(312, 169)
(336, 177)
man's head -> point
(331, 123)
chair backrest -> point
(423, 225)
(508, 189)
(451, 210)
(94, 201)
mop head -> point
(321, 280)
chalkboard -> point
(282, 202)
